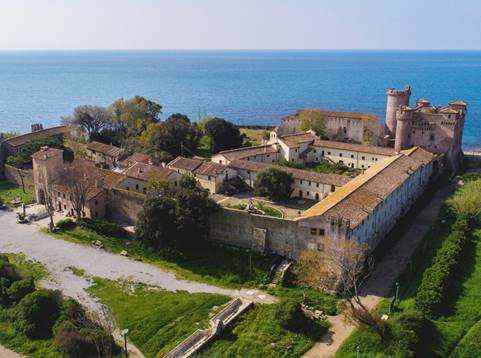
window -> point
(136, 186)
(328, 153)
(352, 155)
(127, 188)
(340, 154)
(96, 202)
(322, 232)
(333, 188)
(296, 150)
(431, 137)
(309, 183)
(300, 181)
(307, 193)
(208, 177)
(317, 185)
(313, 231)
(317, 196)
(268, 155)
(362, 166)
(363, 158)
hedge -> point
(435, 281)
(103, 227)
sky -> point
(240, 24)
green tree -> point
(37, 313)
(157, 184)
(174, 132)
(273, 183)
(155, 225)
(91, 119)
(193, 209)
(24, 155)
(131, 119)
(312, 119)
(224, 135)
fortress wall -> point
(262, 233)
(14, 176)
(124, 206)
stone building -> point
(139, 173)
(105, 155)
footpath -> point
(383, 276)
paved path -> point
(7, 353)
(58, 255)
(383, 275)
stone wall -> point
(124, 206)
(15, 176)
(261, 233)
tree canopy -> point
(176, 131)
(181, 221)
(224, 135)
(24, 155)
(273, 183)
(91, 119)
(312, 119)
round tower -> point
(395, 99)
(404, 116)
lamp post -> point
(124, 334)
(397, 291)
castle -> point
(419, 143)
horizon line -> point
(233, 49)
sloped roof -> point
(105, 149)
(184, 163)
(41, 134)
(241, 153)
(142, 171)
(358, 198)
(210, 169)
(47, 153)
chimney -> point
(37, 127)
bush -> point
(4, 285)
(436, 279)
(19, 289)
(273, 183)
(290, 315)
(103, 227)
(66, 224)
(37, 313)
(7, 270)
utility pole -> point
(182, 148)
(124, 334)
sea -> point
(246, 87)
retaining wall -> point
(15, 176)
(124, 206)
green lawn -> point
(459, 329)
(9, 192)
(258, 334)
(268, 210)
(254, 136)
(217, 265)
(157, 320)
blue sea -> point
(247, 87)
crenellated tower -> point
(404, 117)
(395, 99)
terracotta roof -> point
(135, 158)
(358, 198)
(300, 174)
(354, 147)
(142, 171)
(46, 153)
(241, 153)
(449, 110)
(295, 140)
(458, 103)
(41, 134)
(210, 168)
(185, 163)
(105, 149)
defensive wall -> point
(124, 206)
(15, 176)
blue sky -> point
(241, 24)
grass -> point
(458, 330)
(203, 148)
(9, 192)
(157, 320)
(217, 265)
(11, 338)
(254, 136)
(268, 210)
(258, 334)
(76, 271)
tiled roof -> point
(41, 134)
(46, 153)
(458, 103)
(300, 174)
(358, 198)
(354, 147)
(295, 140)
(185, 163)
(142, 171)
(105, 149)
(210, 168)
(135, 158)
(241, 153)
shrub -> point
(66, 224)
(102, 227)
(290, 315)
(435, 281)
(19, 289)
(37, 313)
(7, 270)
(273, 183)
(467, 200)
(4, 285)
